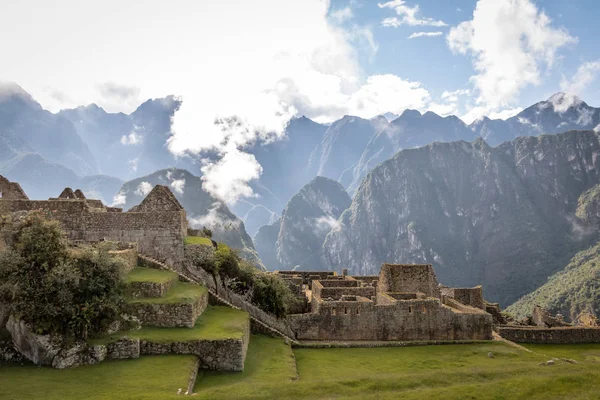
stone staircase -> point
(257, 319)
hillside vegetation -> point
(575, 288)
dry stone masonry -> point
(158, 224)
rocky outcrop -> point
(48, 350)
(588, 319)
(499, 216)
(306, 220)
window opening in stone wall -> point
(333, 311)
(0, 194)
(424, 310)
(357, 311)
(345, 310)
(410, 309)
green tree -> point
(72, 295)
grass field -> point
(146, 378)
(215, 323)
(140, 274)
(427, 372)
(197, 240)
(179, 293)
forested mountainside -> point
(503, 216)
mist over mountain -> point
(203, 210)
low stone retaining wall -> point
(560, 335)
(219, 355)
(149, 289)
(169, 315)
(123, 349)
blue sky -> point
(430, 61)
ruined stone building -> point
(158, 224)
(405, 302)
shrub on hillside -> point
(72, 295)
(269, 292)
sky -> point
(244, 68)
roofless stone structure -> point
(158, 224)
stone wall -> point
(123, 349)
(11, 190)
(167, 315)
(469, 296)
(200, 275)
(148, 289)
(413, 278)
(219, 355)
(401, 320)
(559, 335)
(159, 234)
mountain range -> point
(491, 202)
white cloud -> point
(443, 109)
(586, 73)
(407, 15)
(477, 112)
(342, 14)
(143, 189)
(119, 199)
(223, 60)
(510, 41)
(326, 224)
(132, 139)
(178, 185)
(424, 34)
(454, 95)
(387, 93)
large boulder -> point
(50, 350)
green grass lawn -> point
(146, 378)
(153, 275)
(424, 372)
(181, 292)
(215, 323)
(197, 240)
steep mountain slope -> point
(202, 209)
(568, 292)
(305, 222)
(411, 129)
(560, 113)
(256, 217)
(27, 128)
(499, 216)
(265, 241)
(42, 179)
(131, 145)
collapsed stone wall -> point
(559, 335)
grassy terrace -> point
(215, 323)
(140, 274)
(427, 372)
(197, 240)
(179, 293)
(146, 378)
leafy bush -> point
(269, 292)
(72, 295)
